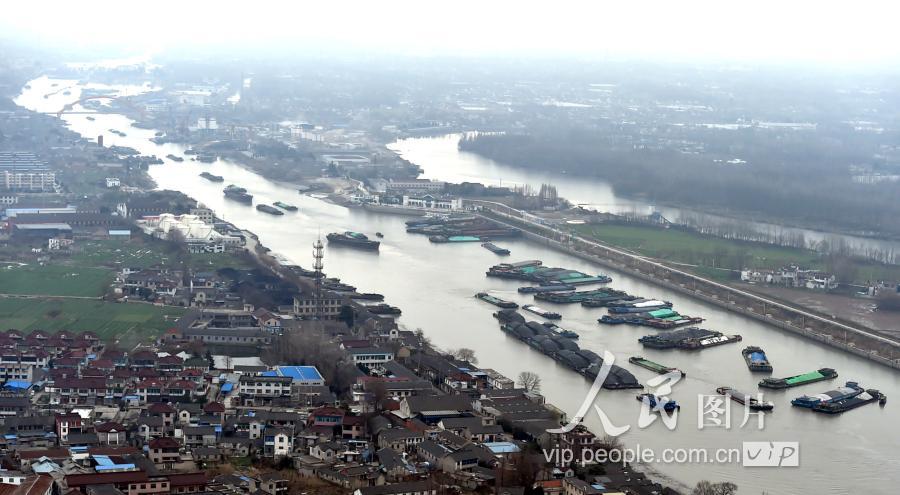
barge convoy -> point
(496, 301)
(753, 403)
(353, 239)
(548, 339)
(756, 359)
(797, 380)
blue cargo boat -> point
(652, 400)
(756, 359)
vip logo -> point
(771, 454)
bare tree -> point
(465, 354)
(530, 381)
(709, 488)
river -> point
(440, 159)
(434, 285)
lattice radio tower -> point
(318, 256)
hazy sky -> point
(840, 32)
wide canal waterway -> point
(434, 283)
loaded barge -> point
(672, 340)
(849, 390)
(753, 403)
(271, 210)
(654, 367)
(545, 288)
(756, 359)
(353, 239)
(797, 380)
(490, 246)
(534, 272)
(550, 315)
(285, 206)
(869, 396)
(213, 178)
(238, 194)
(580, 296)
(496, 301)
(550, 340)
(704, 343)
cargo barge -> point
(545, 288)
(654, 367)
(704, 343)
(353, 239)
(175, 158)
(285, 206)
(670, 340)
(551, 340)
(653, 401)
(797, 380)
(238, 194)
(562, 332)
(550, 315)
(383, 309)
(271, 210)
(579, 296)
(496, 301)
(440, 239)
(849, 390)
(638, 307)
(213, 178)
(367, 296)
(544, 275)
(756, 359)
(837, 407)
(490, 246)
(753, 403)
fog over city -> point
(449, 248)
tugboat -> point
(849, 390)
(797, 380)
(270, 210)
(91, 118)
(756, 359)
(211, 177)
(353, 239)
(741, 398)
(238, 194)
(562, 332)
(652, 400)
(285, 206)
(379, 235)
(550, 315)
(496, 301)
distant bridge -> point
(69, 106)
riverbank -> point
(863, 343)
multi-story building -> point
(24, 172)
(305, 306)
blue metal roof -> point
(21, 384)
(300, 372)
(227, 387)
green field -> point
(54, 280)
(719, 258)
(128, 322)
